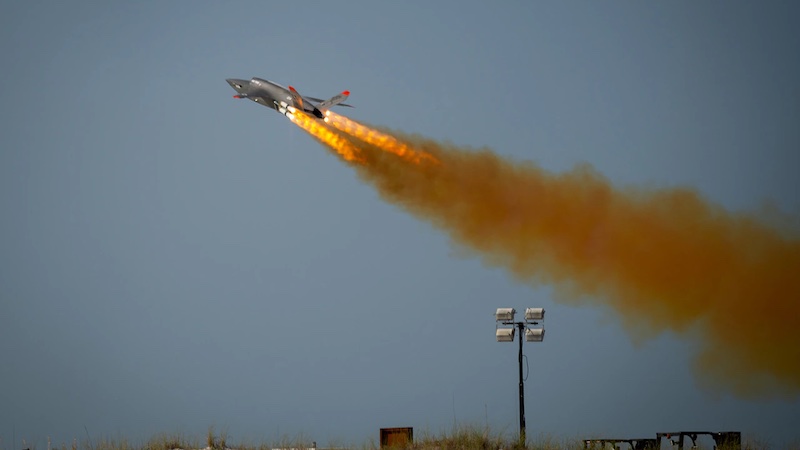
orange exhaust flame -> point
(663, 260)
(381, 140)
(328, 137)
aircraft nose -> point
(236, 83)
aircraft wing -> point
(335, 100)
(319, 100)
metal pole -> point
(521, 327)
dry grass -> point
(460, 438)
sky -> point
(173, 259)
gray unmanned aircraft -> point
(286, 101)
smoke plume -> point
(663, 260)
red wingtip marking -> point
(292, 89)
(346, 92)
(236, 96)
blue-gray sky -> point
(172, 259)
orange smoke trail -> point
(664, 260)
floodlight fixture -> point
(534, 334)
(505, 334)
(505, 314)
(532, 314)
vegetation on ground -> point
(461, 438)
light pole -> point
(533, 316)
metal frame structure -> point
(722, 439)
(725, 439)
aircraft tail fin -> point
(296, 98)
(319, 109)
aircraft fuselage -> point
(286, 101)
(269, 94)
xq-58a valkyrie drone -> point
(284, 100)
